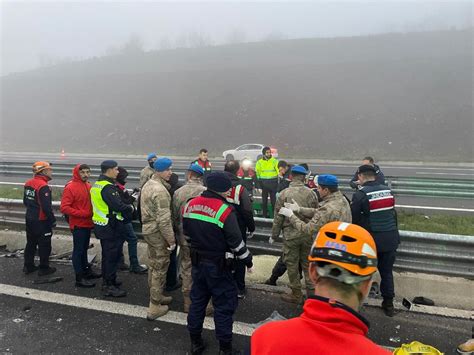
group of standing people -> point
(299, 215)
(209, 218)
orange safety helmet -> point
(39, 166)
(346, 246)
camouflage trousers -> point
(158, 263)
(295, 253)
(185, 268)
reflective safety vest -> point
(211, 210)
(267, 169)
(99, 207)
(235, 193)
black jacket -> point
(209, 239)
(381, 224)
(111, 196)
(38, 201)
(244, 208)
(284, 181)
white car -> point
(249, 151)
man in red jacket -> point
(76, 206)
(39, 219)
(342, 261)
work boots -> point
(28, 269)
(90, 274)
(113, 291)
(155, 311)
(271, 281)
(138, 269)
(387, 307)
(197, 345)
(82, 282)
(166, 300)
(296, 296)
(226, 349)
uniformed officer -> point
(334, 207)
(296, 244)
(39, 219)
(147, 172)
(247, 176)
(373, 207)
(193, 188)
(158, 233)
(379, 176)
(109, 212)
(203, 161)
(216, 240)
(239, 199)
(267, 178)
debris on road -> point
(273, 317)
(423, 301)
(50, 280)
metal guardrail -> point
(439, 254)
(408, 186)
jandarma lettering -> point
(204, 209)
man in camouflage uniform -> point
(158, 233)
(296, 245)
(334, 207)
(148, 171)
(193, 188)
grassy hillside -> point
(396, 96)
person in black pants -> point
(109, 212)
(215, 241)
(129, 236)
(172, 279)
(240, 200)
(373, 208)
(39, 219)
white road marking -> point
(437, 208)
(450, 174)
(124, 309)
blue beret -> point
(298, 169)
(218, 181)
(108, 164)
(151, 156)
(196, 168)
(327, 180)
(162, 164)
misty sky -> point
(35, 32)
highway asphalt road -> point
(434, 170)
(70, 320)
(420, 204)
